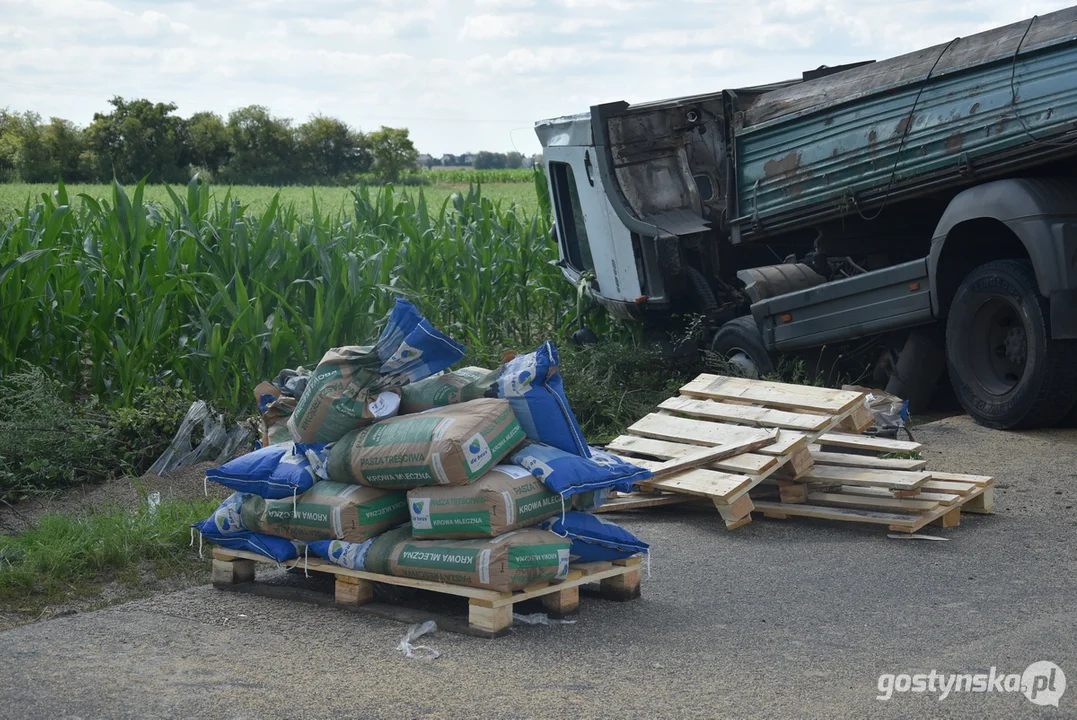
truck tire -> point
(740, 343)
(1006, 370)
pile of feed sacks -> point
(395, 466)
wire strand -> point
(904, 137)
(1013, 96)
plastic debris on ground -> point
(418, 652)
(217, 444)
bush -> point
(49, 441)
(613, 384)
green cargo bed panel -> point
(833, 159)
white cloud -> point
(571, 26)
(463, 75)
(486, 27)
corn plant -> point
(114, 294)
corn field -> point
(114, 295)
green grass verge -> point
(68, 557)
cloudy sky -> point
(462, 74)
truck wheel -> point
(740, 343)
(1007, 372)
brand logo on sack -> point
(477, 452)
(521, 372)
(562, 563)
(403, 355)
(538, 468)
(227, 520)
(420, 514)
(1043, 683)
(601, 458)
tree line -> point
(140, 138)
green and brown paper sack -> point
(453, 445)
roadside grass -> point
(67, 557)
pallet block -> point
(489, 611)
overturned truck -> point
(928, 201)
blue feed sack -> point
(412, 349)
(227, 519)
(590, 500)
(567, 474)
(594, 539)
(532, 385)
(346, 554)
(274, 472)
(371, 555)
(225, 528)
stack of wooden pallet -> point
(818, 465)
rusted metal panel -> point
(849, 156)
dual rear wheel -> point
(1005, 368)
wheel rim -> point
(998, 346)
(743, 362)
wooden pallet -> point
(489, 611)
(822, 466)
(718, 411)
(936, 502)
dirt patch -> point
(142, 582)
(121, 494)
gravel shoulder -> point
(779, 619)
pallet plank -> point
(639, 501)
(746, 463)
(772, 394)
(981, 480)
(890, 479)
(961, 488)
(829, 513)
(706, 456)
(701, 432)
(745, 414)
(941, 498)
(867, 442)
(871, 502)
(698, 481)
(866, 461)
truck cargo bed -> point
(980, 107)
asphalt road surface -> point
(795, 618)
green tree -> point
(65, 144)
(329, 150)
(263, 148)
(392, 152)
(488, 161)
(138, 139)
(9, 147)
(207, 141)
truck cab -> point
(928, 201)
